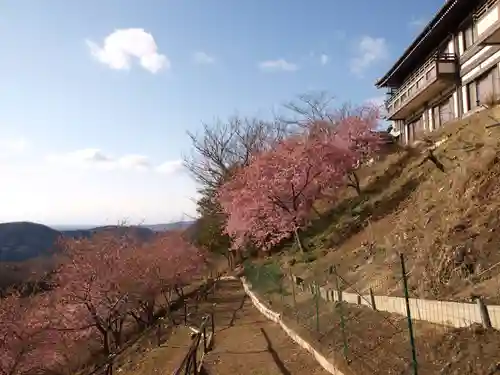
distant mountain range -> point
(21, 241)
(154, 227)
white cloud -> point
(368, 51)
(95, 158)
(170, 167)
(89, 157)
(324, 59)
(122, 45)
(279, 64)
(134, 162)
(13, 146)
(203, 58)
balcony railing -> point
(418, 80)
(487, 23)
(481, 11)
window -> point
(469, 37)
(446, 111)
(435, 115)
(471, 96)
(485, 87)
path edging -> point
(449, 313)
(276, 317)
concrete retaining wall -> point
(455, 314)
(275, 317)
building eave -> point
(451, 9)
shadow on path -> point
(233, 318)
(279, 363)
(246, 343)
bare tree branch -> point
(226, 145)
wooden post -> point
(483, 311)
(185, 313)
(158, 331)
(195, 367)
(372, 299)
(212, 320)
(205, 338)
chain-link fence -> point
(368, 333)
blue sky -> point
(96, 96)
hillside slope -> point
(24, 240)
(445, 223)
(138, 232)
(28, 251)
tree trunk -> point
(148, 310)
(180, 292)
(354, 182)
(299, 240)
(168, 305)
(141, 324)
(232, 260)
(117, 331)
(106, 344)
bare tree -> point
(309, 108)
(225, 145)
(317, 107)
(315, 111)
(216, 151)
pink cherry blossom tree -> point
(159, 269)
(101, 281)
(272, 198)
(30, 338)
(358, 126)
(92, 281)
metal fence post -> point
(408, 315)
(280, 281)
(293, 290)
(341, 311)
(316, 296)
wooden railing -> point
(201, 345)
(106, 365)
(420, 72)
(202, 340)
(402, 94)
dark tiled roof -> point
(445, 21)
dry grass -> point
(446, 223)
(378, 342)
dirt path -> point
(247, 343)
(150, 359)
